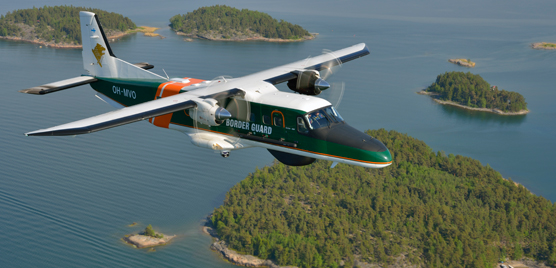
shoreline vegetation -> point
(472, 92)
(544, 45)
(147, 238)
(427, 209)
(496, 111)
(463, 62)
(58, 26)
(224, 23)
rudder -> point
(98, 58)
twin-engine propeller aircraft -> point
(224, 114)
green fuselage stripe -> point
(129, 93)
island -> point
(472, 92)
(544, 45)
(463, 62)
(428, 209)
(224, 23)
(148, 238)
(58, 26)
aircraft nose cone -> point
(320, 84)
(222, 114)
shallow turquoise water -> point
(66, 201)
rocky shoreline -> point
(254, 37)
(496, 111)
(463, 62)
(143, 241)
(544, 45)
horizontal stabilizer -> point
(60, 85)
(144, 65)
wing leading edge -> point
(287, 72)
(131, 114)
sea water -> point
(67, 201)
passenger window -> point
(278, 121)
(301, 126)
(252, 117)
(266, 119)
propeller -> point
(336, 91)
(230, 109)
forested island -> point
(471, 91)
(427, 209)
(58, 26)
(226, 23)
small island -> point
(224, 23)
(58, 26)
(543, 45)
(463, 62)
(472, 92)
(148, 238)
(428, 209)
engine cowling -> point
(308, 83)
(208, 112)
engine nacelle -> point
(208, 112)
(308, 83)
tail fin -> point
(98, 58)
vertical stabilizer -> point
(98, 58)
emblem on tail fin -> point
(98, 51)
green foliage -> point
(59, 23)
(225, 20)
(437, 210)
(149, 231)
(472, 90)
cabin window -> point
(277, 118)
(301, 125)
(252, 117)
(266, 119)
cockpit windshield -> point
(323, 117)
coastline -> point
(542, 45)
(253, 38)
(490, 110)
(232, 256)
(143, 241)
(462, 62)
(111, 38)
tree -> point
(149, 231)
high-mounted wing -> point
(132, 114)
(120, 117)
(289, 71)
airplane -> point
(223, 114)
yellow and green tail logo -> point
(98, 51)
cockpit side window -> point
(318, 119)
(333, 114)
(301, 125)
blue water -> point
(67, 201)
